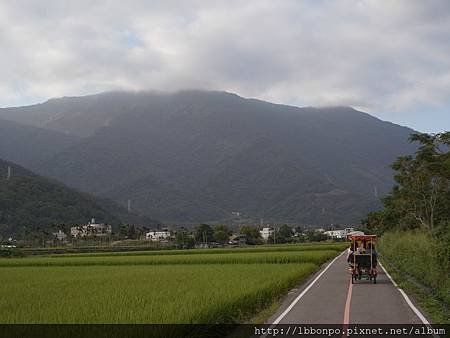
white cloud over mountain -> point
(390, 58)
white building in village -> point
(266, 233)
(157, 235)
(338, 234)
(91, 229)
(60, 235)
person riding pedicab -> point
(362, 257)
(350, 253)
(356, 249)
(370, 249)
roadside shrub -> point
(420, 255)
(8, 252)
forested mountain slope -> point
(198, 156)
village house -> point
(266, 233)
(239, 239)
(158, 235)
(91, 229)
(338, 234)
(60, 235)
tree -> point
(423, 182)
(128, 231)
(131, 232)
(252, 234)
(123, 230)
(421, 196)
(315, 236)
(3, 232)
(221, 234)
(203, 233)
(184, 239)
(380, 221)
(284, 234)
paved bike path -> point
(326, 301)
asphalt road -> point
(332, 299)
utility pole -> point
(129, 206)
(8, 175)
(375, 192)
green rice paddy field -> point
(195, 286)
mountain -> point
(78, 116)
(28, 145)
(196, 156)
(29, 201)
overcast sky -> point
(389, 58)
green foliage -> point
(231, 154)
(184, 239)
(142, 294)
(421, 198)
(31, 204)
(130, 231)
(442, 238)
(221, 237)
(284, 234)
(203, 233)
(252, 235)
(10, 252)
(261, 248)
(422, 194)
(380, 221)
(272, 257)
(123, 230)
(420, 255)
(315, 236)
(221, 234)
(415, 221)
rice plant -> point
(209, 293)
(275, 257)
(179, 286)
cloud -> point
(389, 58)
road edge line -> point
(405, 296)
(300, 296)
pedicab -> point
(362, 257)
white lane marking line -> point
(389, 276)
(408, 301)
(295, 301)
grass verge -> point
(434, 309)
